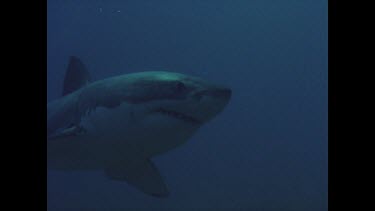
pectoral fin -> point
(140, 173)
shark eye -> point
(180, 86)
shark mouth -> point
(177, 115)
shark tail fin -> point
(76, 76)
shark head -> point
(164, 108)
(180, 100)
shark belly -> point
(116, 134)
(123, 129)
(72, 153)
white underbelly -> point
(126, 126)
(109, 132)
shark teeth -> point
(178, 115)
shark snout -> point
(223, 94)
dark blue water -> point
(266, 151)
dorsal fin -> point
(76, 76)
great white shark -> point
(118, 124)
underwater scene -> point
(187, 105)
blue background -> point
(266, 151)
